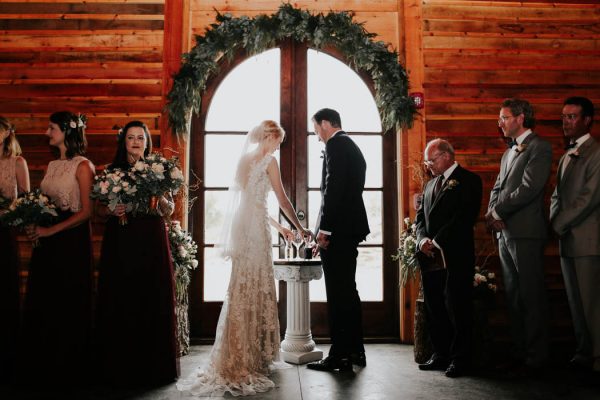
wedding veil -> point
(229, 241)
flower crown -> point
(78, 122)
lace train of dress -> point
(247, 338)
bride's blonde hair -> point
(266, 130)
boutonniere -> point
(521, 148)
(574, 155)
(322, 154)
(451, 184)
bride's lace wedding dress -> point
(247, 337)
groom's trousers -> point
(343, 302)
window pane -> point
(333, 84)
(314, 204)
(215, 204)
(221, 155)
(248, 95)
(374, 204)
(369, 274)
(217, 272)
(369, 277)
(371, 148)
(315, 162)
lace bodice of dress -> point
(60, 183)
(8, 177)
(247, 337)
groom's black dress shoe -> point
(331, 364)
(359, 359)
(455, 370)
(435, 363)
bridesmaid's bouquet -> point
(156, 175)
(113, 187)
(32, 208)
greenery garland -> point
(224, 38)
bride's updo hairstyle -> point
(266, 130)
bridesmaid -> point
(57, 313)
(136, 306)
(14, 179)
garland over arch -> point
(224, 38)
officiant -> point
(444, 225)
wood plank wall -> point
(103, 58)
(475, 54)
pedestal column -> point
(298, 346)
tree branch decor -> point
(224, 38)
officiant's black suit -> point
(343, 214)
(448, 219)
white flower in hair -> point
(73, 124)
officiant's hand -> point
(427, 248)
(323, 240)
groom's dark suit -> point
(343, 215)
(448, 220)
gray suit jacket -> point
(518, 194)
(575, 205)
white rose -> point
(182, 252)
(116, 189)
(176, 174)
(158, 168)
(194, 263)
(139, 166)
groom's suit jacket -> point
(343, 179)
(518, 194)
(449, 218)
(575, 205)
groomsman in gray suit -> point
(516, 213)
(575, 217)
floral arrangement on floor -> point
(183, 255)
(484, 285)
(406, 253)
(31, 208)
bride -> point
(247, 337)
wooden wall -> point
(101, 58)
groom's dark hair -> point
(327, 114)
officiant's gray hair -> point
(442, 146)
(264, 130)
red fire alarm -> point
(418, 99)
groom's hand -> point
(323, 240)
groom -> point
(341, 226)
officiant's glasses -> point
(434, 159)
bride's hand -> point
(307, 235)
(286, 233)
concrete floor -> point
(390, 374)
